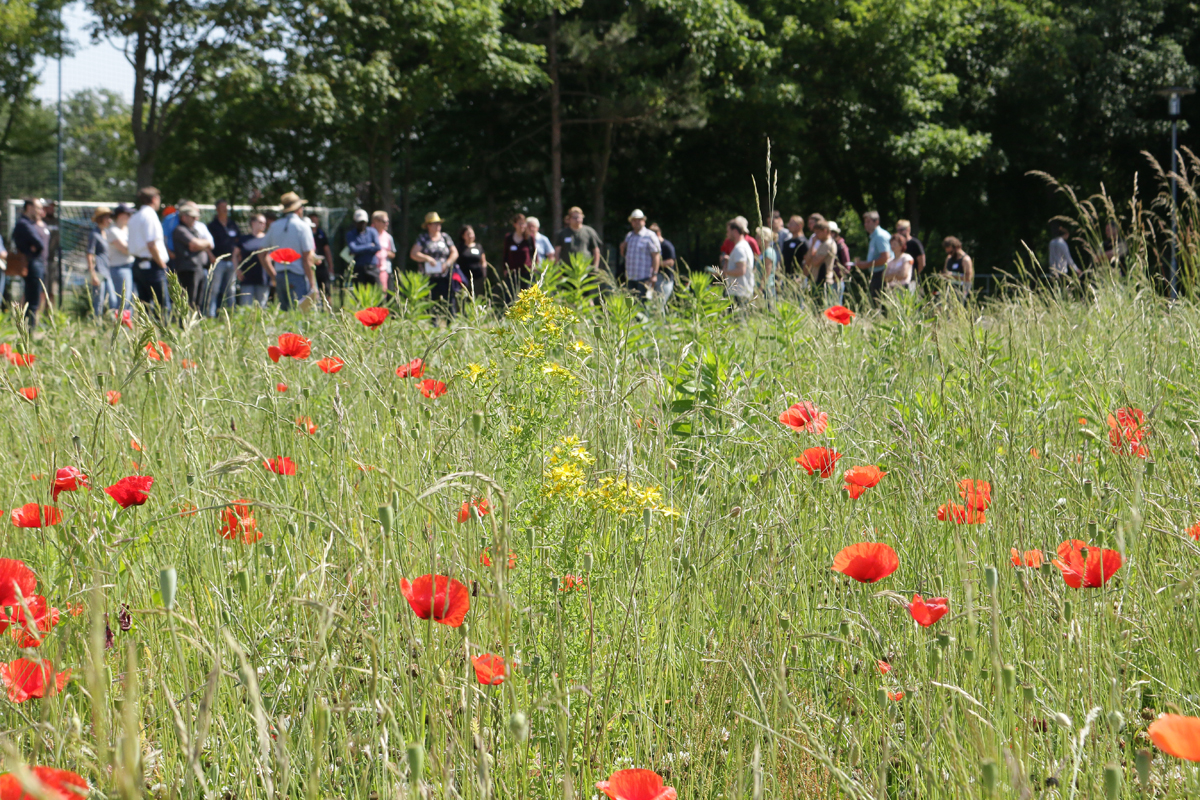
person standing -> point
(879, 251)
(294, 280)
(767, 264)
(387, 248)
(436, 253)
(821, 266)
(518, 260)
(845, 263)
(642, 253)
(959, 269)
(782, 234)
(1061, 262)
(193, 254)
(794, 248)
(254, 272)
(120, 261)
(169, 221)
(577, 238)
(1114, 247)
(912, 246)
(542, 247)
(738, 272)
(225, 237)
(727, 245)
(899, 274)
(104, 294)
(149, 251)
(473, 262)
(667, 260)
(31, 238)
(363, 243)
(326, 266)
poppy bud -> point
(416, 763)
(935, 659)
(987, 776)
(385, 519)
(191, 479)
(477, 422)
(1068, 611)
(1047, 568)
(1087, 489)
(735, 512)
(554, 584)
(991, 578)
(671, 464)
(1116, 720)
(414, 432)
(304, 391)
(597, 332)
(1008, 674)
(465, 630)
(745, 610)
(1143, 769)
(969, 654)
(881, 697)
(1149, 469)
(518, 726)
(1092, 526)
(242, 580)
(587, 562)
(943, 640)
(529, 538)
(294, 529)
(1027, 693)
(844, 628)
(785, 621)
(646, 516)
(166, 587)
(1112, 782)
(1061, 719)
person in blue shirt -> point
(169, 223)
(879, 251)
(31, 238)
(543, 248)
(363, 243)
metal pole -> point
(1174, 213)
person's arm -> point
(919, 263)
(196, 244)
(93, 276)
(622, 249)
(452, 258)
(558, 253)
(968, 271)
(595, 256)
(307, 260)
(118, 245)
(655, 263)
(421, 258)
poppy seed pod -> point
(304, 391)
(1087, 489)
(1008, 674)
(191, 479)
(647, 515)
(1092, 528)
(991, 577)
(969, 654)
(416, 763)
(518, 726)
(1068, 611)
(385, 519)
(943, 640)
(554, 584)
(242, 580)
(587, 562)
(987, 776)
(881, 697)
(844, 628)
(477, 422)
(1143, 769)
(785, 621)
(167, 581)
(596, 331)
(1112, 782)
(1149, 469)
(1027, 693)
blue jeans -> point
(289, 288)
(256, 294)
(33, 291)
(151, 286)
(104, 296)
(220, 286)
(122, 278)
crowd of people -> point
(288, 256)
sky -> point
(100, 66)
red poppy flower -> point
(1194, 531)
(57, 784)
(437, 597)
(866, 562)
(960, 514)
(26, 679)
(30, 630)
(188, 510)
(883, 667)
(805, 417)
(571, 583)
(15, 579)
(21, 359)
(112, 397)
(126, 318)
(372, 317)
(5, 348)
(281, 465)
(978, 494)
(480, 504)
(1083, 420)
(895, 697)
(160, 353)
(927, 612)
(68, 479)
(819, 459)
(1084, 566)
(134, 444)
(839, 314)
(485, 558)
(431, 388)
(1176, 735)
(331, 365)
(292, 345)
(305, 424)
(281, 387)
(187, 364)
(859, 479)
(636, 784)
(133, 490)
(1034, 454)
(1030, 558)
(240, 523)
(31, 515)
(489, 669)
(1126, 430)
(413, 369)
(284, 255)
(30, 393)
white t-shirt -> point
(899, 270)
(743, 285)
(386, 244)
(115, 257)
(145, 231)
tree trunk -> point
(556, 205)
(405, 199)
(911, 207)
(143, 134)
(601, 176)
(387, 197)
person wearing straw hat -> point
(436, 253)
(294, 278)
(104, 293)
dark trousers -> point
(151, 285)
(290, 288)
(192, 281)
(33, 291)
(876, 288)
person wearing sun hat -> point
(436, 252)
(294, 278)
(104, 293)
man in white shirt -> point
(294, 279)
(738, 272)
(149, 250)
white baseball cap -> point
(833, 227)
(637, 214)
(360, 215)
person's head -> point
(433, 224)
(258, 224)
(905, 227)
(764, 235)
(637, 220)
(1111, 229)
(518, 223)
(834, 231)
(102, 216)
(574, 217)
(34, 208)
(899, 241)
(776, 221)
(795, 224)
(657, 231)
(315, 219)
(1060, 231)
(361, 219)
(813, 219)
(222, 209)
(532, 226)
(292, 203)
(466, 234)
(121, 215)
(149, 196)
(870, 221)
(379, 221)
(188, 214)
(821, 229)
(952, 245)
(735, 229)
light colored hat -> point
(191, 209)
(360, 215)
(637, 214)
(431, 218)
(101, 212)
(833, 227)
(290, 202)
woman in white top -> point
(738, 272)
(898, 274)
(387, 248)
(120, 261)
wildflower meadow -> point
(593, 549)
